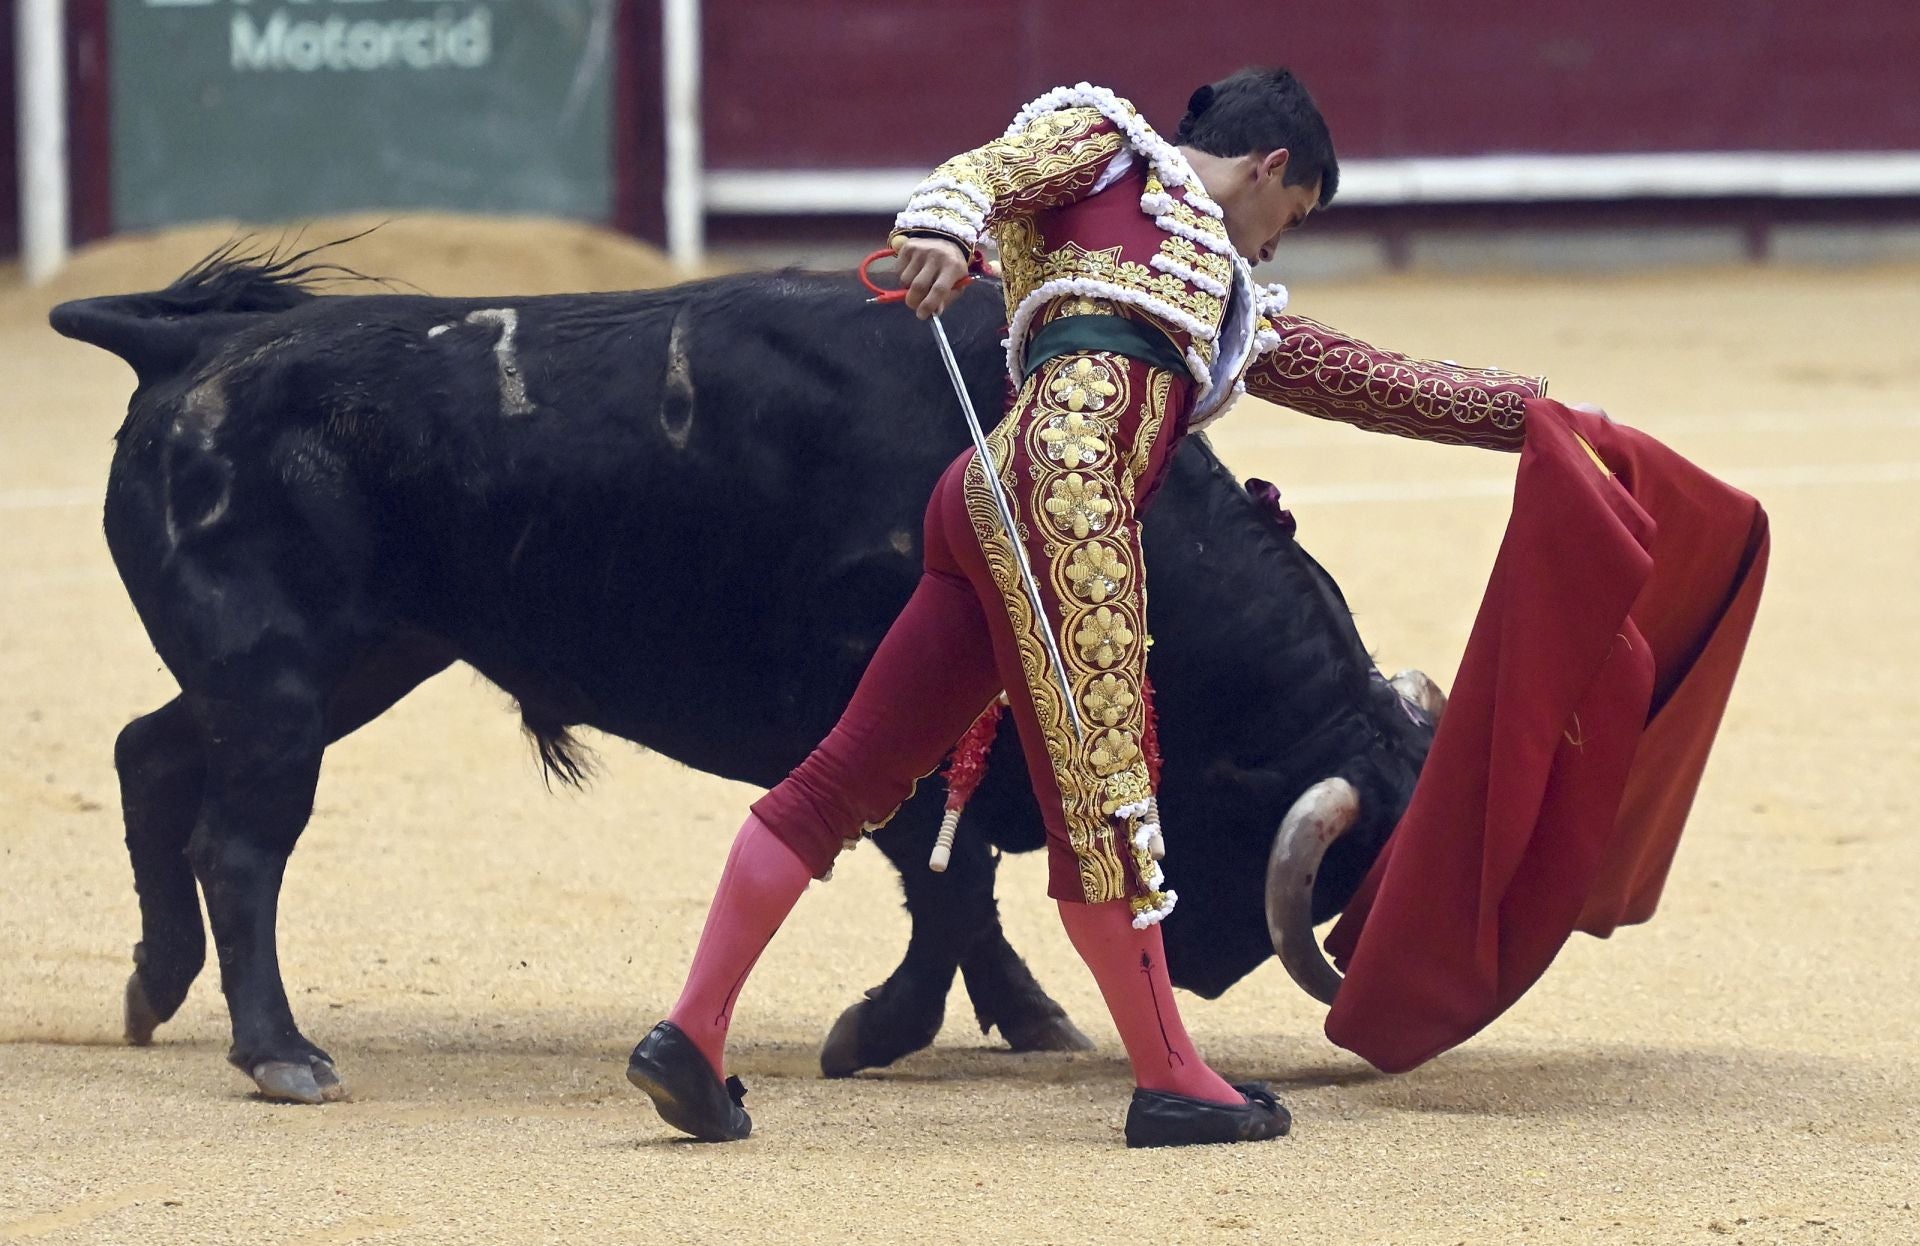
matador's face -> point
(1259, 206)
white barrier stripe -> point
(1672, 427)
(49, 499)
(1748, 478)
(1389, 491)
(1751, 479)
(1439, 179)
(1825, 474)
(1785, 422)
(17, 580)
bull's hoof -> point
(840, 1054)
(140, 1017)
(1055, 1032)
(882, 1028)
(298, 1081)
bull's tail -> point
(159, 333)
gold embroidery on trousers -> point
(1073, 492)
(1101, 876)
(1159, 387)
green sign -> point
(273, 110)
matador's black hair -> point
(1258, 111)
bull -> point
(684, 517)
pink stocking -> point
(758, 888)
(1131, 967)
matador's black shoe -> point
(1161, 1118)
(689, 1097)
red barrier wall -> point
(794, 84)
(887, 83)
(89, 133)
(639, 131)
(86, 124)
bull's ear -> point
(1267, 495)
(136, 327)
(1420, 691)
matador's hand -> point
(930, 271)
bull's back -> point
(711, 518)
(643, 510)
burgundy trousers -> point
(1081, 451)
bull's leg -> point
(162, 763)
(956, 926)
(259, 794)
(1005, 994)
(263, 762)
(903, 1014)
(162, 769)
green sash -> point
(1071, 334)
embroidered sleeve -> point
(1052, 160)
(1323, 372)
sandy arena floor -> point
(479, 956)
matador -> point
(1133, 321)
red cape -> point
(1573, 742)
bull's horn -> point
(1323, 814)
(1419, 688)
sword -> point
(992, 471)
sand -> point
(479, 955)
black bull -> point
(684, 517)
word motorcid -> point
(450, 39)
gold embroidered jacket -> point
(1093, 210)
